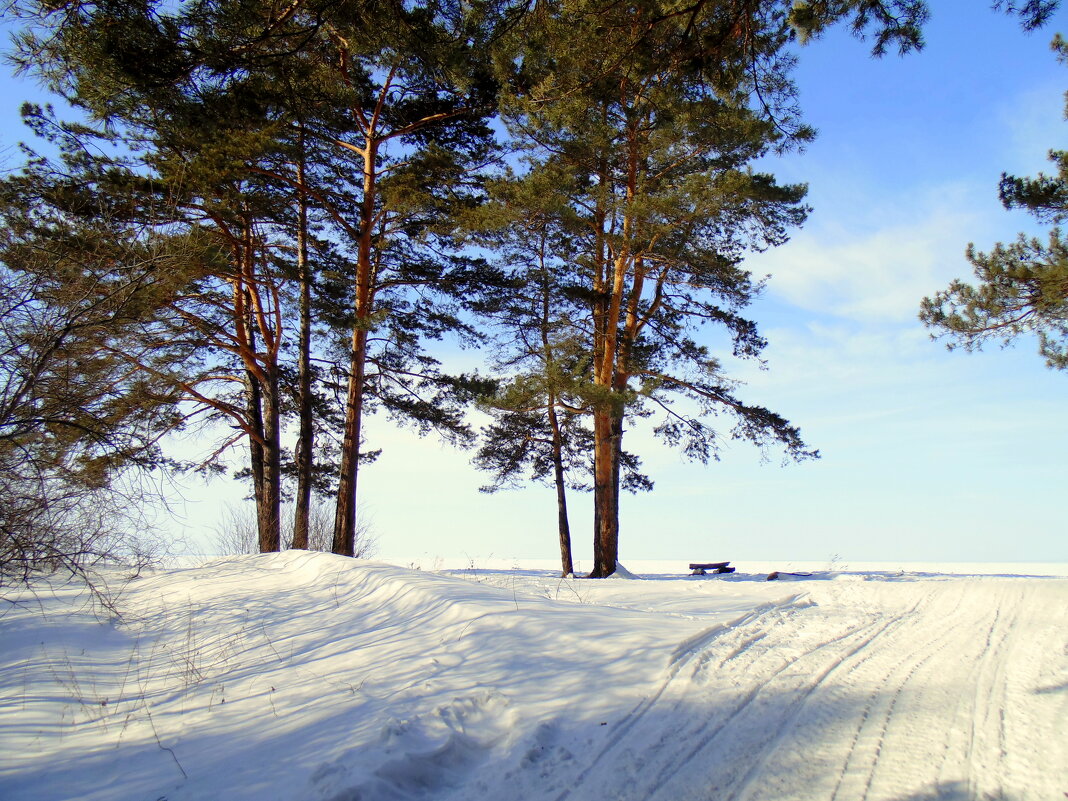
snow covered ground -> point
(307, 676)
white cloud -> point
(876, 264)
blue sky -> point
(926, 455)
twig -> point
(170, 751)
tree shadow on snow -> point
(952, 791)
(766, 746)
(1053, 688)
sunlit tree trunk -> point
(306, 434)
(345, 515)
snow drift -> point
(308, 676)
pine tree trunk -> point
(269, 509)
(605, 496)
(257, 461)
(306, 434)
(603, 514)
(254, 406)
(617, 452)
(564, 528)
(610, 374)
(607, 425)
(264, 460)
(261, 382)
(345, 514)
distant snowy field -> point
(312, 677)
(676, 568)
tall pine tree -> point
(656, 127)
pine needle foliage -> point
(1021, 287)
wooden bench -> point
(700, 568)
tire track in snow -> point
(714, 731)
(778, 632)
(904, 734)
(987, 702)
(958, 649)
(781, 706)
(965, 725)
(1036, 696)
(885, 690)
(993, 689)
(683, 654)
(844, 674)
(710, 730)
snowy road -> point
(860, 690)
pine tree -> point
(540, 408)
(1022, 287)
(186, 126)
(654, 131)
(254, 124)
(415, 123)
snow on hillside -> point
(311, 677)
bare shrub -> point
(238, 533)
(54, 529)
